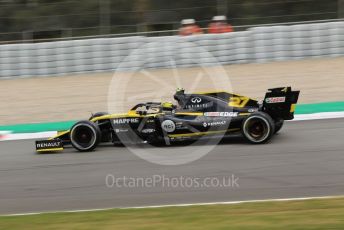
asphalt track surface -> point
(305, 159)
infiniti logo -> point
(196, 100)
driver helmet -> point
(167, 105)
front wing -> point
(53, 145)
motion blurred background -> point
(296, 42)
(44, 19)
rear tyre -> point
(278, 125)
(85, 136)
(258, 128)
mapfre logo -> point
(196, 100)
(125, 120)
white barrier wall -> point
(259, 44)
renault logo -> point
(196, 100)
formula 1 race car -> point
(196, 115)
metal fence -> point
(258, 44)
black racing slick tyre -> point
(258, 128)
(85, 136)
(278, 125)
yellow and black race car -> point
(196, 115)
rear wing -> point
(280, 103)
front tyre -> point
(85, 136)
(258, 128)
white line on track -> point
(317, 116)
(179, 205)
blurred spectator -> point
(219, 25)
(189, 27)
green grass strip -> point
(315, 214)
(38, 127)
(320, 107)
